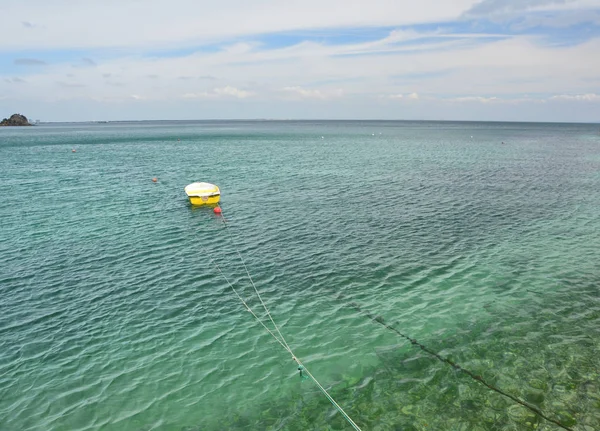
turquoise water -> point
(113, 318)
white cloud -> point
(561, 20)
(305, 93)
(517, 65)
(495, 100)
(227, 91)
(15, 80)
(479, 99)
(202, 95)
(590, 97)
(489, 8)
(400, 96)
(232, 91)
(431, 67)
(155, 23)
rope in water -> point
(378, 319)
(301, 367)
(414, 342)
(253, 285)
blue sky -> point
(528, 60)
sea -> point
(121, 304)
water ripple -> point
(112, 316)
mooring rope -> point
(301, 367)
(252, 281)
(414, 342)
(244, 302)
(374, 318)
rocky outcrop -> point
(16, 120)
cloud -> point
(201, 95)
(29, 62)
(27, 24)
(513, 66)
(68, 84)
(227, 92)
(486, 8)
(479, 99)
(426, 57)
(590, 97)
(232, 91)
(556, 20)
(400, 96)
(202, 21)
(482, 100)
(15, 80)
(304, 93)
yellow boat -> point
(203, 193)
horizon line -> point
(311, 119)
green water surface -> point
(112, 316)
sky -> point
(489, 60)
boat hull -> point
(203, 193)
(204, 200)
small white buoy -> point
(372, 134)
(322, 137)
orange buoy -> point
(154, 179)
(217, 210)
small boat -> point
(203, 193)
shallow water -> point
(112, 316)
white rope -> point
(252, 282)
(336, 405)
(246, 305)
(281, 341)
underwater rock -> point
(566, 419)
(520, 414)
(538, 384)
(535, 397)
(470, 405)
(409, 410)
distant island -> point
(16, 120)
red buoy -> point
(154, 179)
(217, 210)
